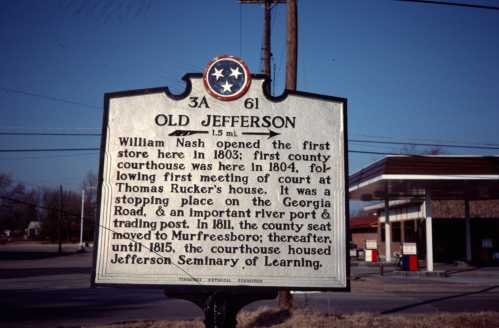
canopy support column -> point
(388, 232)
(429, 231)
(467, 225)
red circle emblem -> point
(227, 78)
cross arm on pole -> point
(261, 1)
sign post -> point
(223, 191)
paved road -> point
(54, 292)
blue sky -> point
(414, 72)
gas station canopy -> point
(445, 177)
(428, 178)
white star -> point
(235, 72)
(226, 87)
(218, 73)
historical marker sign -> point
(223, 186)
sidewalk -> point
(34, 249)
(54, 291)
(28, 255)
(443, 272)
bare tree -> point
(411, 149)
(89, 184)
(18, 205)
(51, 223)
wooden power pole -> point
(266, 49)
(60, 220)
(266, 46)
(285, 297)
(292, 45)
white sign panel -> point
(371, 244)
(409, 249)
(198, 189)
(487, 243)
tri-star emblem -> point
(227, 78)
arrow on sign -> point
(183, 133)
(270, 133)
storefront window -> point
(409, 232)
(396, 235)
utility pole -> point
(266, 47)
(292, 45)
(285, 297)
(81, 218)
(266, 52)
(59, 225)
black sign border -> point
(206, 288)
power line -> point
(51, 129)
(240, 29)
(32, 187)
(424, 144)
(447, 144)
(456, 4)
(400, 143)
(36, 205)
(93, 153)
(66, 214)
(51, 98)
(378, 153)
(80, 134)
(98, 149)
(46, 150)
(384, 153)
(418, 140)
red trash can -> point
(371, 255)
(413, 263)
